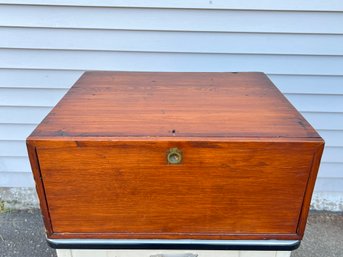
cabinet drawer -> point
(219, 190)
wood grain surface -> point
(114, 104)
(219, 188)
(249, 165)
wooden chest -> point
(174, 160)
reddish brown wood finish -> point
(191, 104)
(39, 187)
(249, 165)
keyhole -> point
(174, 156)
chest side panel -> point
(129, 190)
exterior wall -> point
(46, 45)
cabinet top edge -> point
(34, 139)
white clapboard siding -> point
(308, 84)
(159, 41)
(22, 114)
(39, 79)
(331, 170)
(325, 120)
(30, 97)
(333, 154)
(21, 78)
(153, 61)
(332, 138)
(329, 185)
(45, 46)
(170, 19)
(21, 179)
(15, 131)
(319, 103)
(16, 148)
(290, 5)
(14, 164)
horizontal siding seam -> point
(164, 52)
(169, 30)
(177, 30)
(301, 6)
(82, 70)
(169, 52)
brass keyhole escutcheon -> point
(174, 156)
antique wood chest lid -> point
(144, 104)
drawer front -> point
(130, 190)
